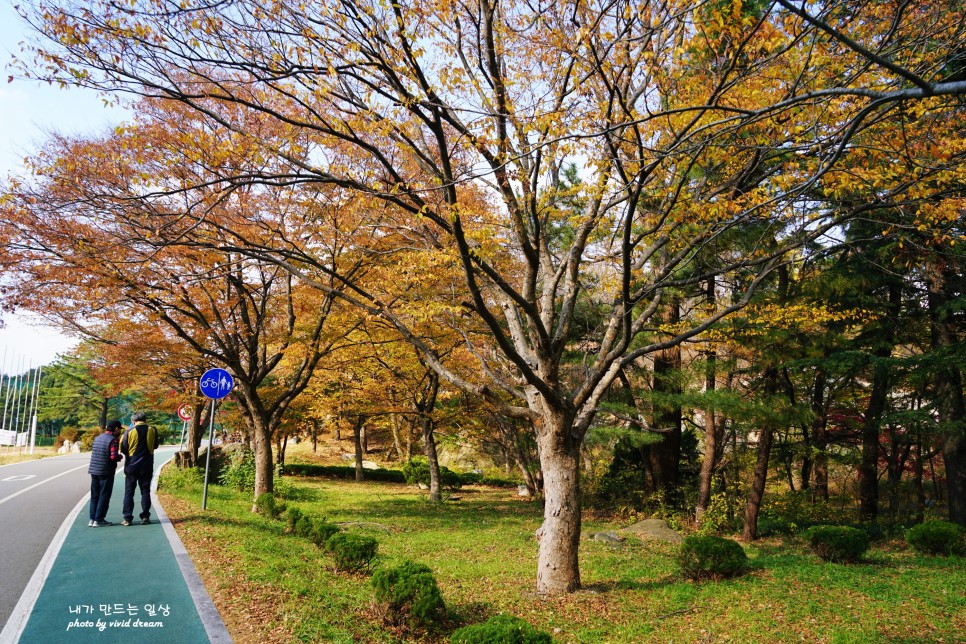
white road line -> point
(21, 612)
(26, 489)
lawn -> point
(274, 587)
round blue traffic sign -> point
(216, 383)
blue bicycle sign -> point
(216, 383)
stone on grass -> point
(654, 530)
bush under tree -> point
(502, 629)
(711, 557)
(352, 552)
(839, 544)
(936, 538)
(409, 593)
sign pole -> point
(211, 433)
(215, 384)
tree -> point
(84, 232)
(688, 121)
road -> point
(35, 498)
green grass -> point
(483, 553)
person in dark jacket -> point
(104, 459)
(138, 445)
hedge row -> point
(387, 475)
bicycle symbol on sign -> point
(216, 383)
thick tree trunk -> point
(102, 416)
(757, 492)
(264, 465)
(429, 444)
(558, 571)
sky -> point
(28, 111)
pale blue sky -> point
(28, 110)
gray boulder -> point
(654, 530)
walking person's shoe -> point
(126, 522)
(145, 520)
(90, 524)
(101, 524)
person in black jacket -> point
(138, 445)
(103, 467)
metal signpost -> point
(215, 384)
(184, 413)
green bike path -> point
(123, 583)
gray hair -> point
(139, 416)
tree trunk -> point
(558, 571)
(757, 492)
(357, 442)
(868, 466)
(949, 391)
(710, 439)
(429, 444)
(820, 437)
(102, 416)
(264, 467)
(315, 436)
(917, 479)
(426, 407)
(394, 423)
(665, 457)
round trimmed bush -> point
(711, 557)
(504, 629)
(936, 538)
(409, 592)
(322, 531)
(837, 543)
(352, 552)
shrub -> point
(267, 506)
(409, 592)
(292, 516)
(504, 629)
(175, 478)
(239, 473)
(936, 538)
(417, 471)
(87, 438)
(352, 552)
(304, 527)
(837, 543)
(66, 434)
(322, 531)
(711, 557)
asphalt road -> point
(35, 498)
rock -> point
(654, 530)
(606, 537)
(369, 465)
(522, 490)
(75, 448)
